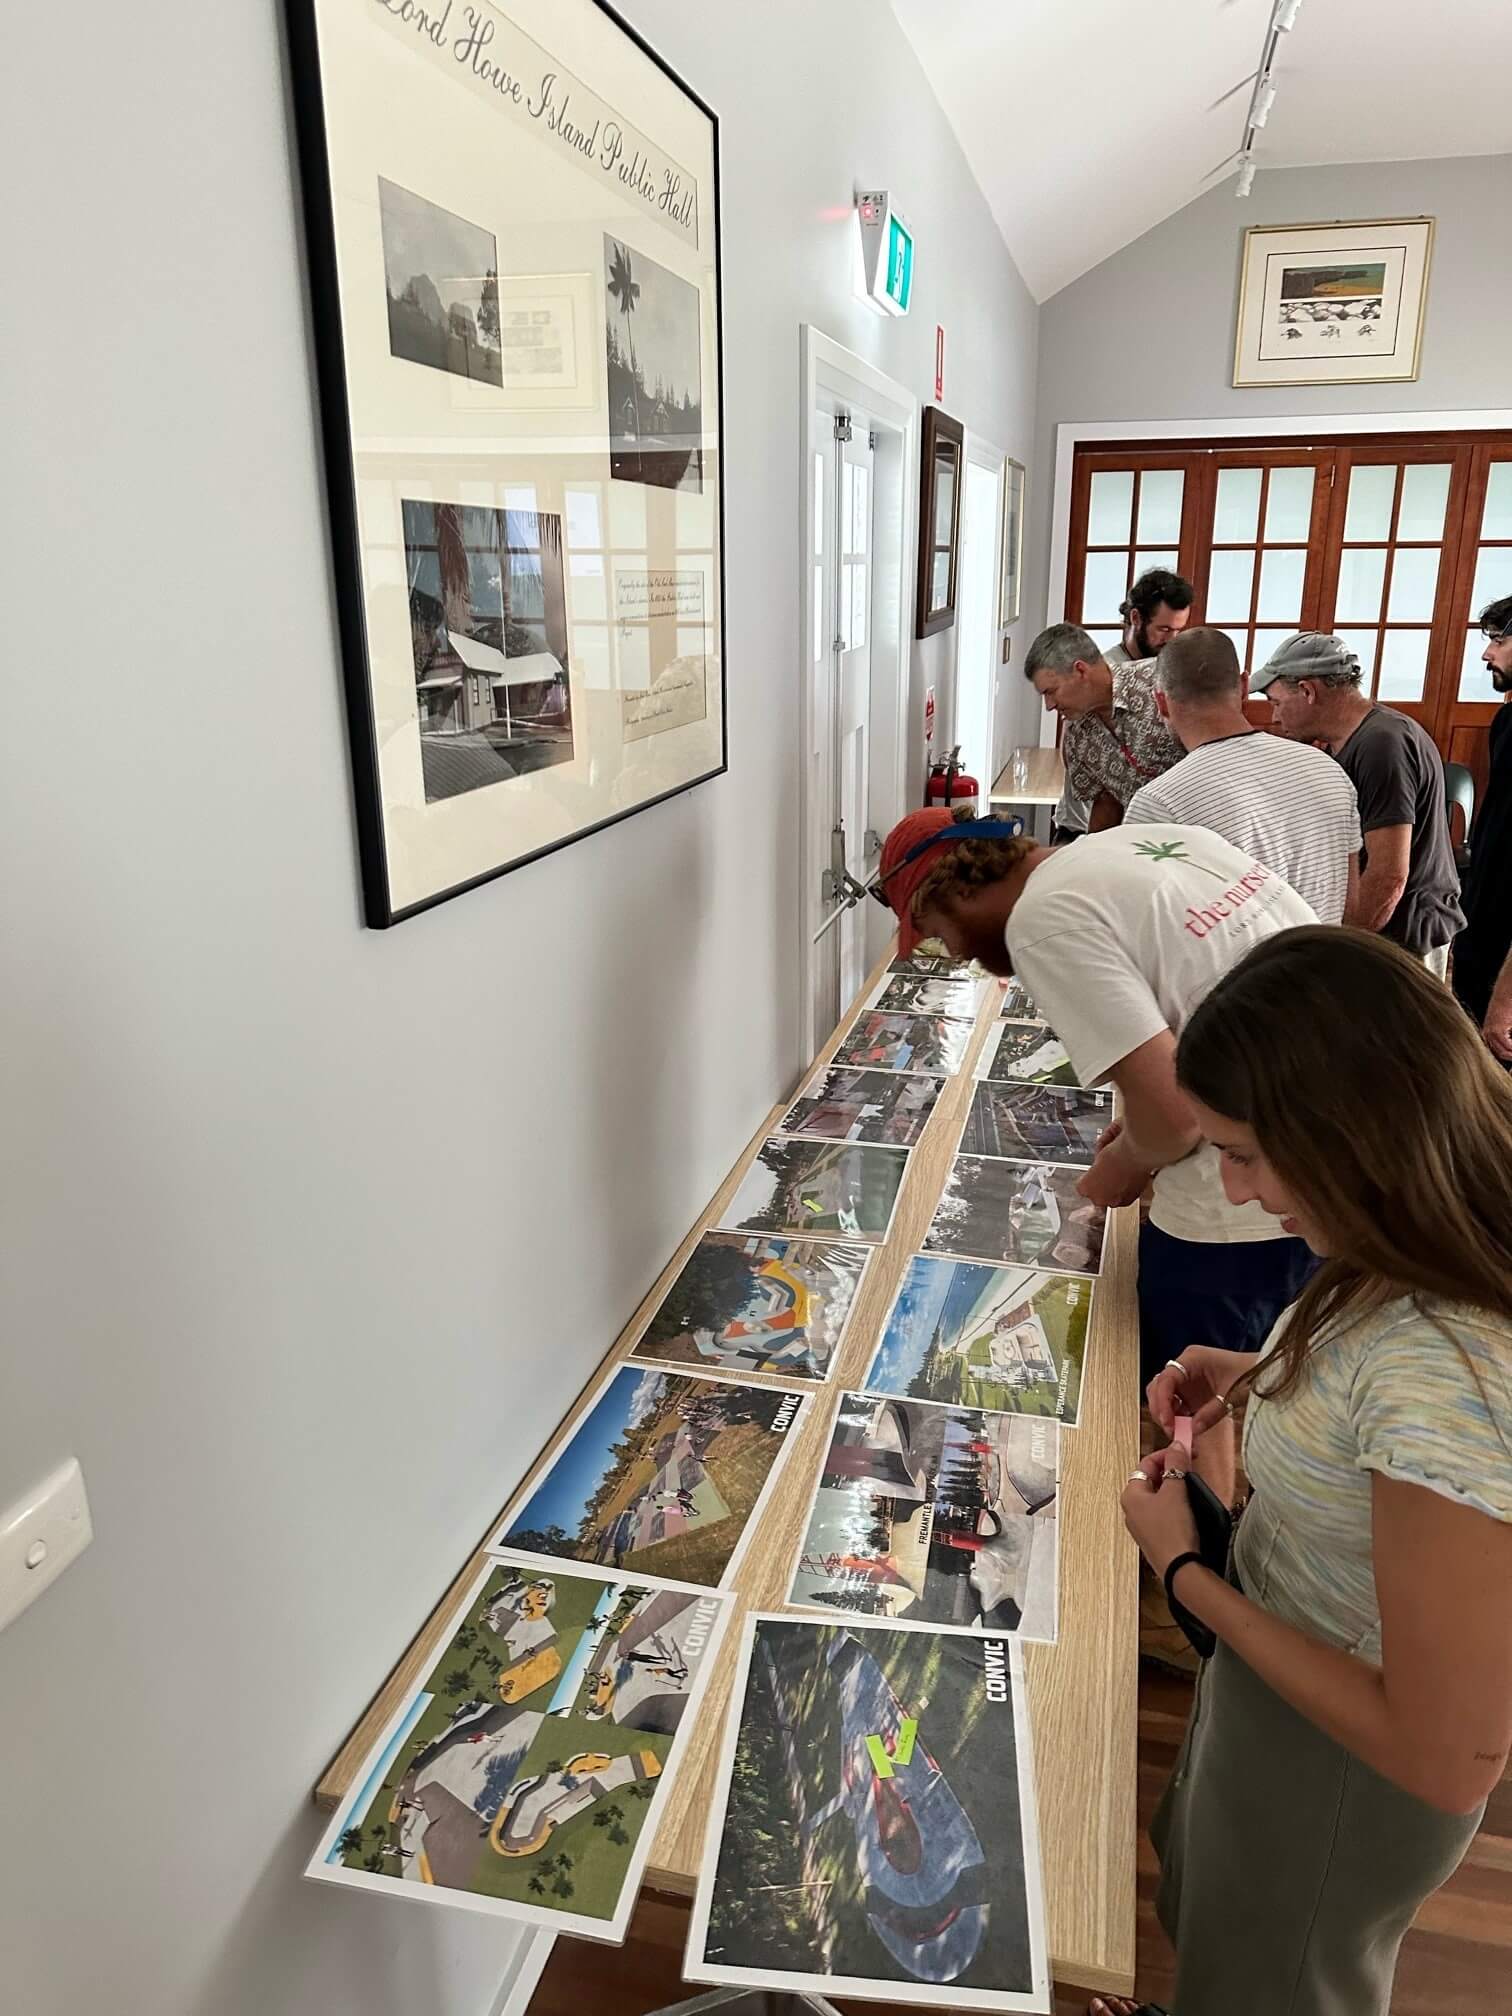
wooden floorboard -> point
(1456, 1961)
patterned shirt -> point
(1131, 749)
(1420, 1393)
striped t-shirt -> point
(1421, 1393)
(1288, 805)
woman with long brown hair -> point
(1357, 1712)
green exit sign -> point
(899, 264)
(887, 253)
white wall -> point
(311, 1232)
(1149, 334)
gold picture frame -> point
(1333, 304)
(1011, 566)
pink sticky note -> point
(1183, 1432)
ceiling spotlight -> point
(1246, 180)
(1265, 97)
(1286, 16)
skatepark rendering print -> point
(661, 1476)
(919, 994)
(887, 1106)
(1029, 1053)
(939, 1517)
(1007, 1338)
(1022, 1214)
(1037, 1122)
(906, 1043)
(524, 1774)
(745, 1304)
(1017, 1006)
(877, 1832)
(818, 1190)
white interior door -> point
(853, 686)
(840, 755)
(976, 619)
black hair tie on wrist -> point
(1203, 1641)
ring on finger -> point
(1139, 1477)
(1175, 1365)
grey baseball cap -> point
(1311, 654)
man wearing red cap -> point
(1117, 939)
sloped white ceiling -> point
(1088, 121)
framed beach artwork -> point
(513, 232)
(1332, 304)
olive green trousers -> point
(1290, 1871)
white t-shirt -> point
(1290, 806)
(1120, 937)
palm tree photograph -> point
(655, 379)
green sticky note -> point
(882, 1764)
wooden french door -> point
(1395, 542)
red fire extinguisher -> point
(948, 782)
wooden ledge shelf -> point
(1082, 1690)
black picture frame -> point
(382, 906)
(942, 462)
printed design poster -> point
(744, 1304)
(526, 1774)
(1017, 1004)
(1028, 1052)
(940, 1517)
(661, 1476)
(933, 967)
(976, 1336)
(1021, 1214)
(918, 994)
(876, 1832)
(841, 1190)
(844, 1105)
(1038, 1121)
(906, 1043)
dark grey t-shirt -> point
(1399, 781)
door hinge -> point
(839, 644)
(871, 441)
(872, 840)
(843, 428)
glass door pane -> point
(1372, 490)
(1404, 665)
(1425, 494)
(1236, 507)
(1288, 505)
(1160, 496)
(1105, 586)
(1111, 507)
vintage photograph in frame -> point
(512, 225)
(1332, 304)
